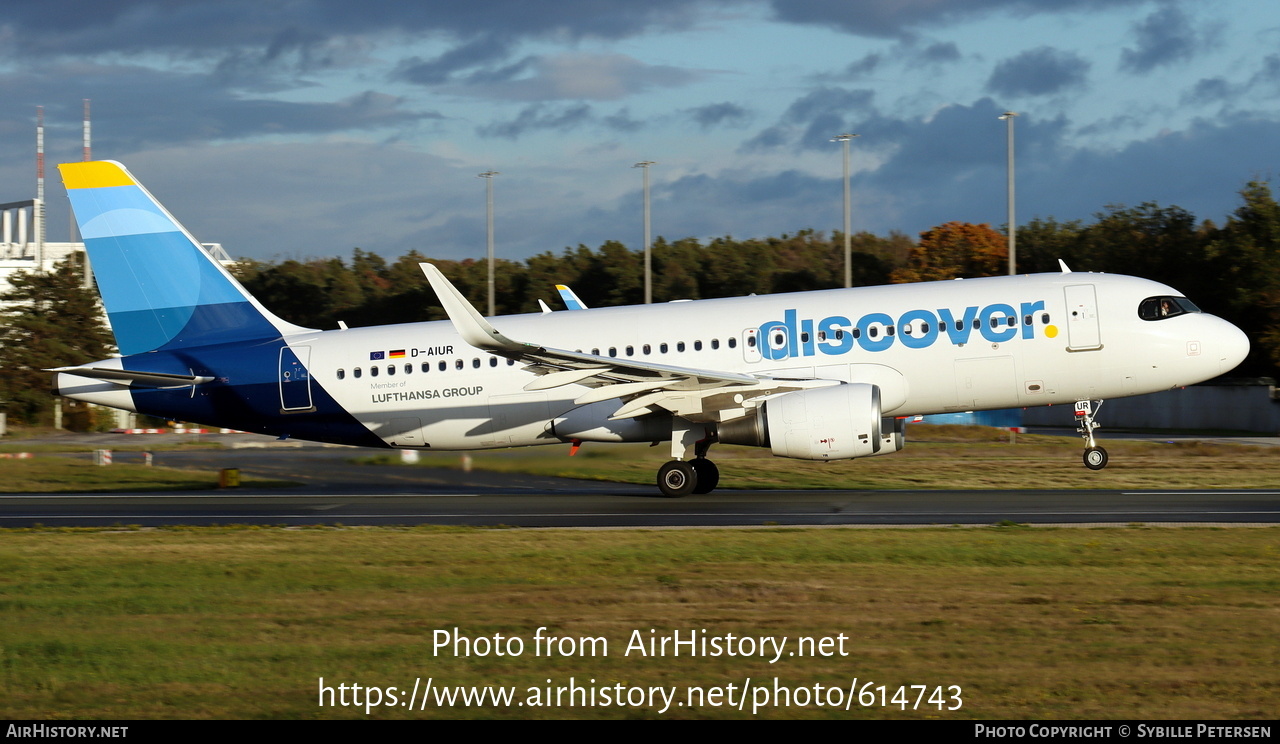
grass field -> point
(1121, 623)
(949, 457)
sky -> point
(306, 128)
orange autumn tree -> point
(955, 249)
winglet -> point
(469, 324)
(1063, 265)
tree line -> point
(1232, 270)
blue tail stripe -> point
(160, 289)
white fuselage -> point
(1074, 336)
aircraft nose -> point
(1232, 346)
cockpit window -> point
(1159, 308)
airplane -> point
(823, 375)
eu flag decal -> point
(377, 355)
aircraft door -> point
(1083, 333)
(751, 345)
(295, 380)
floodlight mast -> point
(1008, 117)
(848, 246)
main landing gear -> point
(684, 475)
(1095, 457)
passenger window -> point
(457, 364)
(647, 348)
(493, 361)
(751, 341)
(680, 346)
(662, 348)
(408, 368)
(631, 351)
(357, 372)
(443, 365)
(475, 363)
(342, 374)
(391, 369)
(733, 342)
(1044, 318)
(426, 367)
(715, 343)
(373, 371)
(697, 346)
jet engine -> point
(831, 423)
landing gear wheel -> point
(708, 475)
(677, 478)
(1095, 458)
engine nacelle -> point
(831, 423)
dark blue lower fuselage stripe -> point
(245, 394)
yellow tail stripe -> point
(97, 174)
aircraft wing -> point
(642, 387)
(131, 377)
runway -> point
(337, 492)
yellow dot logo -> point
(1051, 331)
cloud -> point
(1038, 72)
(86, 27)
(1164, 37)
(901, 19)
(137, 107)
(938, 53)
(440, 69)
(813, 119)
(580, 77)
(539, 117)
(719, 114)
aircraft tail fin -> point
(571, 300)
(160, 288)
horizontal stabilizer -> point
(131, 377)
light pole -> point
(1013, 226)
(648, 258)
(488, 190)
(848, 246)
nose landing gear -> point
(1095, 457)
